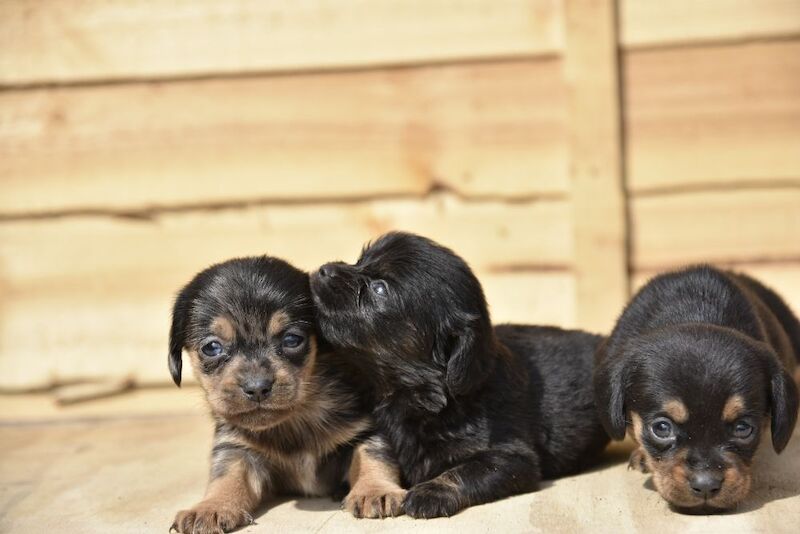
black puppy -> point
(697, 361)
(287, 414)
(473, 413)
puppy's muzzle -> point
(330, 270)
(256, 389)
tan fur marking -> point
(376, 490)
(797, 376)
(282, 375)
(638, 460)
(637, 427)
(277, 322)
(311, 359)
(734, 407)
(678, 473)
(676, 410)
(228, 503)
(300, 474)
(223, 329)
(670, 479)
(222, 390)
(736, 484)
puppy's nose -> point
(256, 389)
(328, 270)
(706, 484)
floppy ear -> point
(177, 332)
(784, 405)
(468, 350)
(610, 381)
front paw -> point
(638, 461)
(375, 502)
(209, 518)
(432, 499)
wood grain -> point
(654, 23)
(744, 225)
(713, 115)
(89, 297)
(82, 40)
(598, 205)
(79, 40)
(492, 129)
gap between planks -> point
(148, 213)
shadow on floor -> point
(308, 504)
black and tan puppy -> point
(699, 359)
(473, 413)
(287, 415)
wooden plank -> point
(89, 297)
(743, 225)
(41, 407)
(598, 207)
(490, 129)
(531, 297)
(76, 40)
(92, 391)
(713, 115)
(649, 23)
(782, 277)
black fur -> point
(473, 413)
(701, 335)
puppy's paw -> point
(432, 499)
(375, 502)
(637, 461)
(209, 518)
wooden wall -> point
(569, 149)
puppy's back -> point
(698, 294)
(559, 362)
(777, 307)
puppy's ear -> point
(181, 311)
(467, 348)
(784, 405)
(610, 383)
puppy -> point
(697, 361)
(286, 415)
(472, 413)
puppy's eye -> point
(662, 429)
(212, 349)
(292, 341)
(742, 430)
(379, 287)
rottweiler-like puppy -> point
(472, 413)
(698, 361)
(288, 416)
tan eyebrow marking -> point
(734, 407)
(676, 410)
(277, 323)
(222, 328)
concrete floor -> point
(128, 464)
